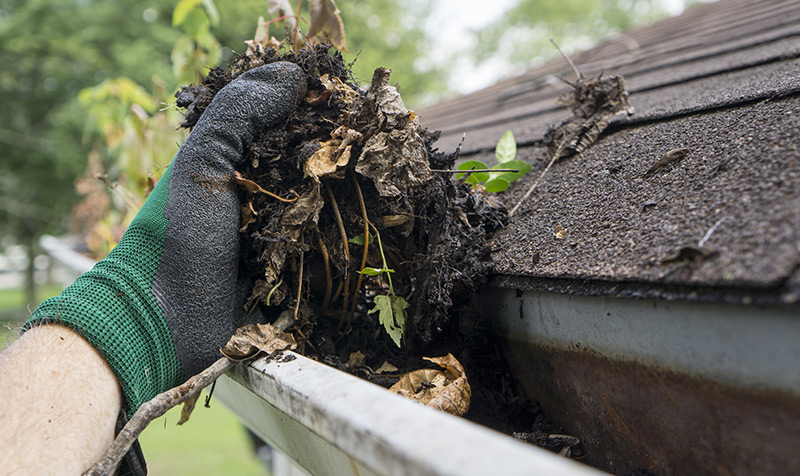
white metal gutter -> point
(670, 387)
(332, 423)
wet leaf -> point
(476, 177)
(188, 408)
(253, 339)
(506, 149)
(447, 390)
(327, 24)
(392, 315)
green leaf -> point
(522, 167)
(375, 271)
(496, 185)
(359, 240)
(211, 10)
(506, 149)
(476, 177)
(392, 314)
(182, 10)
(196, 23)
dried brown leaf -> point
(356, 359)
(386, 368)
(447, 390)
(248, 215)
(253, 339)
(326, 23)
(328, 160)
(188, 408)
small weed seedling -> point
(390, 307)
(497, 181)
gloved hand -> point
(163, 302)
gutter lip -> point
(783, 294)
(384, 433)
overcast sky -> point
(453, 19)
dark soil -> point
(434, 232)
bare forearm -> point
(59, 402)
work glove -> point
(168, 296)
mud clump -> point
(352, 182)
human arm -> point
(59, 403)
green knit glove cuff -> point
(114, 308)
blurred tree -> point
(49, 51)
(522, 34)
(136, 53)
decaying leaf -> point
(248, 215)
(253, 339)
(327, 160)
(391, 310)
(447, 390)
(394, 157)
(386, 368)
(303, 212)
(356, 359)
(326, 23)
(333, 155)
(338, 89)
(670, 157)
(188, 408)
(560, 233)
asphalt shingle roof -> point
(721, 80)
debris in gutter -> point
(671, 157)
(446, 390)
(592, 102)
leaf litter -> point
(346, 227)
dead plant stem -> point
(366, 240)
(328, 278)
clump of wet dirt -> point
(352, 181)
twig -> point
(328, 278)
(555, 157)
(366, 240)
(710, 232)
(574, 68)
(153, 409)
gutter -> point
(332, 423)
(671, 387)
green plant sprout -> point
(494, 182)
(390, 307)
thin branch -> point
(574, 68)
(153, 409)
